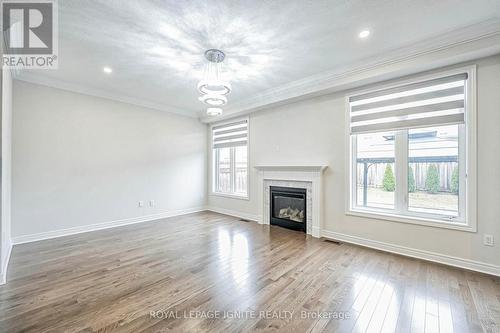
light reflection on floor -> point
(233, 248)
(378, 303)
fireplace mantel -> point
(305, 168)
(302, 176)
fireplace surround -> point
(308, 177)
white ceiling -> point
(156, 47)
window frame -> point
(215, 167)
(467, 164)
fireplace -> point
(288, 207)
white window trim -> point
(213, 192)
(469, 174)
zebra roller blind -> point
(230, 135)
(435, 102)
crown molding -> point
(31, 77)
(460, 45)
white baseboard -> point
(316, 232)
(99, 226)
(415, 253)
(402, 250)
(5, 264)
(246, 216)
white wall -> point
(313, 132)
(6, 159)
(80, 160)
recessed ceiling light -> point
(364, 34)
(107, 70)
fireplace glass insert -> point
(288, 207)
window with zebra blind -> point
(412, 151)
(230, 156)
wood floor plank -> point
(208, 272)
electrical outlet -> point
(151, 203)
(488, 240)
(141, 203)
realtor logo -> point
(30, 34)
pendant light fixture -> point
(213, 88)
(212, 112)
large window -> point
(412, 152)
(230, 155)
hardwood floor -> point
(211, 272)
